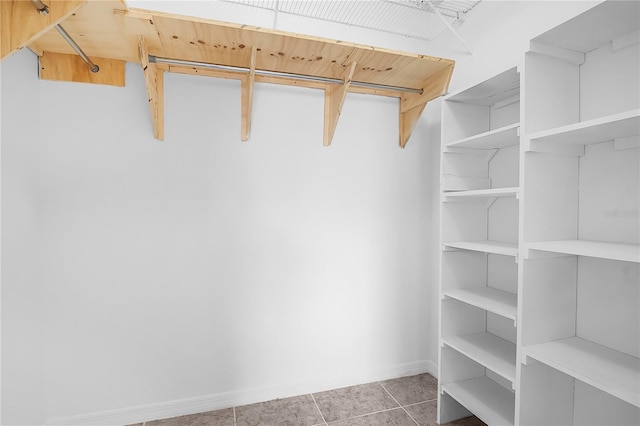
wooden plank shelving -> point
(489, 401)
(110, 34)
(599, 249)
(490, 299)
(611, 371)
(494, 353)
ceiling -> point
(419, 19)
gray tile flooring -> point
(405, 401)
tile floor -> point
(406, 401)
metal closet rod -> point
(44, 10)
(206, 65)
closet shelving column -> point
(479, 236)
(580, 318)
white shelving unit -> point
(597, 249)
(491, 402)
(494, 353)
(489, 247)
(611, 371)
(479, 216)
(498, 138)
(482, 193)
(487, 298)
(540, 232)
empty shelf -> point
(484, 193)
(498, 138)
(490, 299)
(601, 129)
(491, 351)
(606, 369)
(599, 249)
(455, 183)
(492, 247)
(489, 401)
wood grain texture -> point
(412, 104)
(108, 29)
(154, 81)
(247, 97)
(63, 67)
(334, 96)
(21, 23)
(408, 120)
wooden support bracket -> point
(63, 67)
(334, 96)
(154, 80)
(247, 97)
(412, 105)
(21, 23)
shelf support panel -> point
(334, 96)
(247, 97)
(412, 104)
(154, 80)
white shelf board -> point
(496, 354)
(487, 193)
(600, 129)
(612, 19)
(492, 247)
(489, 401)
(613, 372)
(490, 299)
(599, 249)
(498, 138)
(498, 88)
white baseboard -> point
(199, 404)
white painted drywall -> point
(202, 265)
(22, 316)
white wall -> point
(22, 299)
(202, 271)
(202, 265)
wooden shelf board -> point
(484, 193)
(612, 18)
(599, 249)
(601, 129)
(494, 353)
(108, 29)
(492, 247)
(613, 372)
(489, 401)
(111, 31)
(497, 138)
(490, 299)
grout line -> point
(421, 402)
(410, 416)
(318, 407)
(364, 415)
